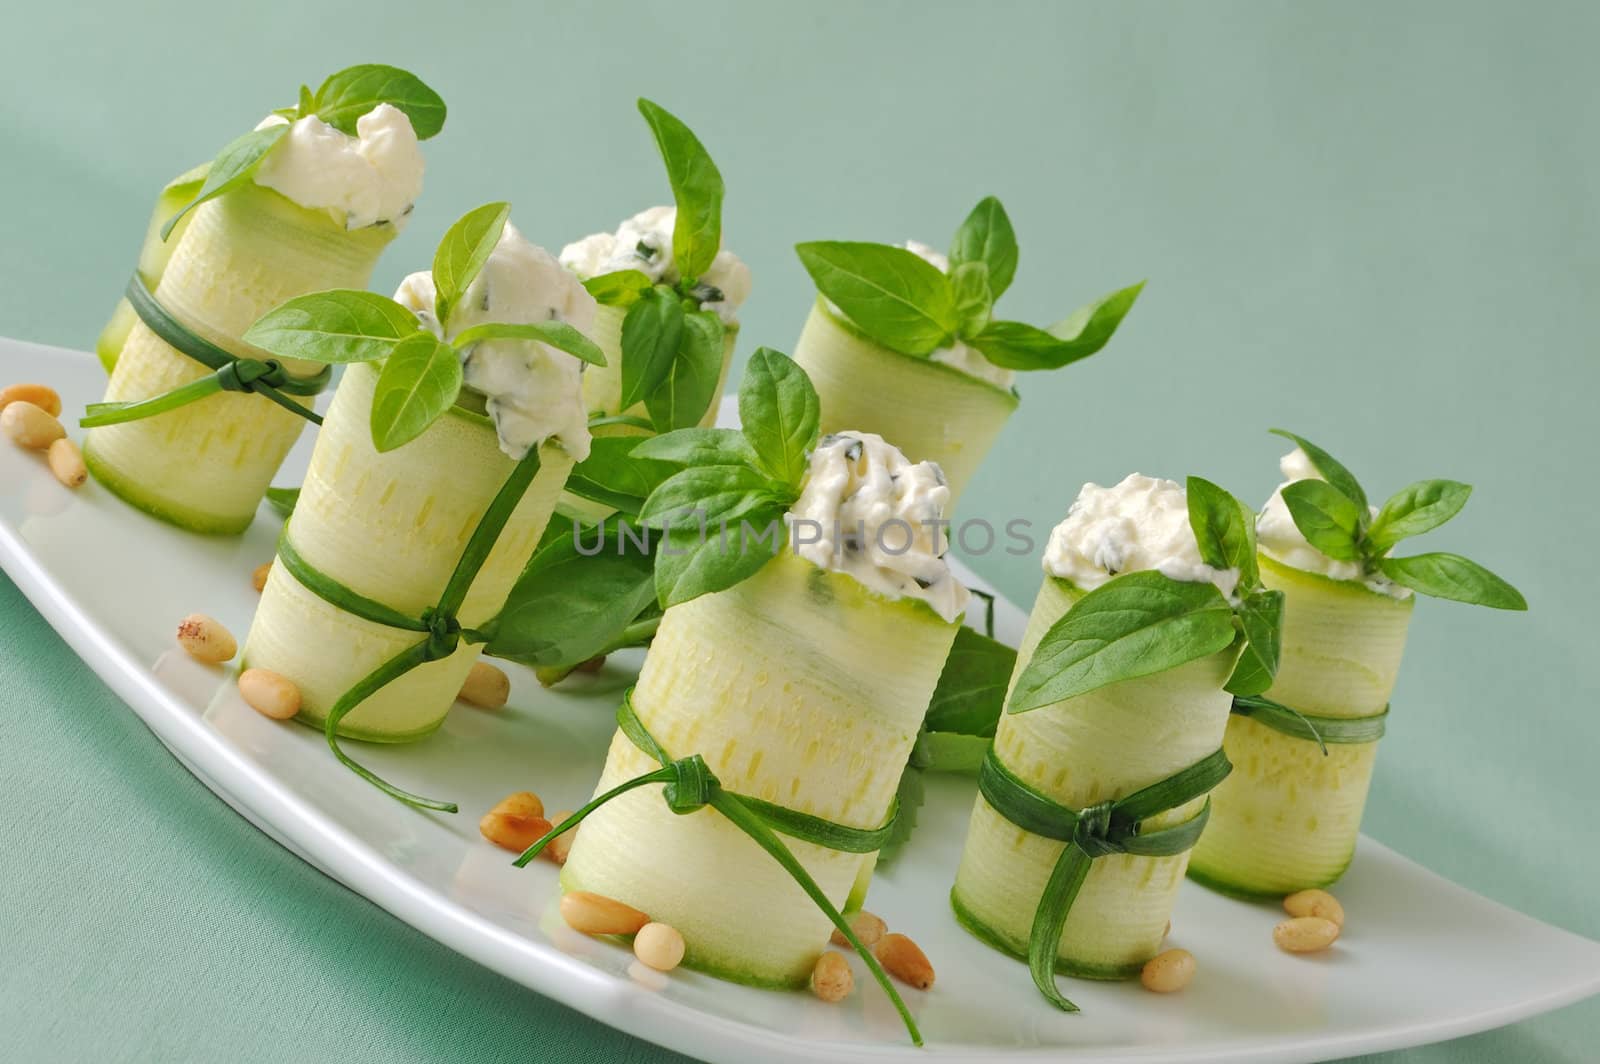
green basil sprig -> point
(721, 517)
(1334, 517)
(340, 101)
(421, 376)
(908, 305)
(672, 348)
(1142, 623)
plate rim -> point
(276, 809)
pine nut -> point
(40, 395)
(205, 639)
(659, 946)
(30, 426)
(511, 831)
(1305, 934)
(486, 686)
(1168, 972)
(831, 979)
(258, 578)
(594, 664)
(561, 845)
(269, 694)
(904, 959)
(868, 928)
(1315, 903)
(66, 462)
(522, 803)
(596, 914)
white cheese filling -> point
(644, 243)
(372, 178)
(533, 392)
(1280, 539)
(867, 511)
(1141, 523)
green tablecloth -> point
(1372, 223)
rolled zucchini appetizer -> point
(1289, 816)
(194, 425)
(1096, 784)
(897, 322)
(433, 478)
(809, 610)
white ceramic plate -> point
(1423, 960)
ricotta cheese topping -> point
(1280, 539)
(867, 511)
(533, 392)
(374, 177)
(644, 243)
(1141, 523)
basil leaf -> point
(652, 330)
(420, 380)
(908, 799)
(987, 237)
(937, 751)
(891, 294)
(691, 384)
(700, 447)
(689, 564)
(1135, 625)
(572, 601)
(235, 164)
(1416, 509)
(972, 688)
(1261, 618)
(342, 325)
(1013, 345)
(709, 494)
(556, 334)
(344, 97)
(1328, 518)
(1450, 576)
(619, 288)
(466, 246)
(696, 190)
(305, 103)
(969, 283)
(780, 413)
(614, 474)
(1330, 469)
(1224, 529)
(283, 500)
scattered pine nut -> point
(522, 803)
(486, 686)
(594, 664)
(30, 426)
(206, 639)
(831, 979)
(269, 694)
(596, 914)
(658, 946)
(66, 462)
(868, 927)
(1315, 903)
(1305, 934)
(1168, 972)
(258, 578)
(512, 831)
(561, 845)
(40, 395)
(904, 959)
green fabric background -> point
(1374, 223)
